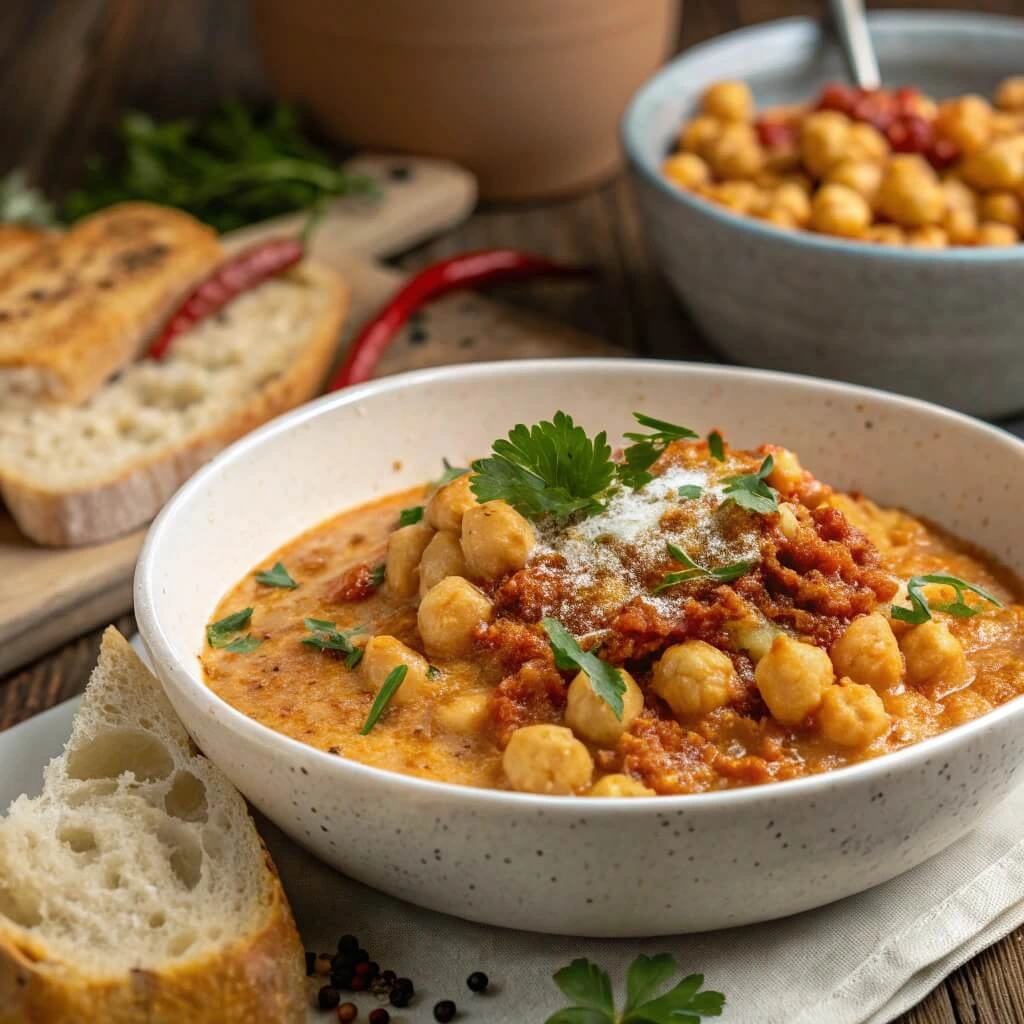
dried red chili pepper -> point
(488, 266)
(242, 272)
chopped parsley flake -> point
(716, 446)
(276, 577)
(410, 515)
(327, 637)
(605, 680)
(219, 633)
(695, 571)
(750, 491)
(394, 680)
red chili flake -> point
(837, 96)
(875, 108)
(774, 133)
(910, 133)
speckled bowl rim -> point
(220, 714)
(634, 131)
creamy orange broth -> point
(311, 696)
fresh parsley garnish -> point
(327, 637)
(450, 473)
(394, 680)
(410, 515)
(921, 608)
(243, 644)
(605, 680)
(550, 469)
(690, 491)
(377, 574)
(750, 491)
(276, 577)
(716, 446)
(645, 449)
(590, 989)
(219, 634)
(696, 571)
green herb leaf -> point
(377, 575)
(716, 446)
(921, 609)
(587, 985)
(327, 637)
(276, 577)
(394, 680)
(579, 1015)
(549, 469)
(690, 491)
(243, 644)
(218, 634)
(450, 473)
(605, 680)
(749, 490)
(644, 452)
(684, 1004)
(21, 203)
(646, 975)
(696, 571)
(410, 515)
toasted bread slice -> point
(136, 888)
(82, 305)
(16, 242)
(81, 474)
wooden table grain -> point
(69, 67)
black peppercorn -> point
(341, 979)
(328, 997)
(388, 977)
(444, 1011)
(348, 944)
(402, 992)
(361, 956)
(379, 1016)
(478, 982)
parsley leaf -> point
(690, 491)
(450, 473)
(549, 469)
(749, 490)
(716, 446)
(644, 452)
(605, 680)
(410, 515)
(327, 637)
(218, 634)
(243, 644)
(696, 571)
(590, 989)
(377, 575)
(394, 680)
(276, 577)
(921, 608)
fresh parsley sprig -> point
(278, 576)
(921, 608)
(750, 490)
(220, 634)
(646, 448)
(690, 491)
(410, 515)
(716, 446)
(696, 571)
(394, 680)
(605, 680)
(551, 469)
(590, 989)
(327, 637)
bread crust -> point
(134, 496)
(79, 306)
(16, 242)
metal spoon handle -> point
(852, 28)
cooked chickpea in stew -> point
(891, 167)
(677, 617)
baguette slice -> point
(136, 888)
(82, 305)
(81, 474)
(16, 243)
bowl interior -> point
(357, 445)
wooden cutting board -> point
(48, 596)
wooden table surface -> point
(68, 67)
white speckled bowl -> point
(583, 866)
(942, 325)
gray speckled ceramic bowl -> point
(580, 866)
(943, 325)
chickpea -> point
(780, 218)
(958, 195)
(787, 474)
(996, 234)
(863, 176)
(496, 540)
(869, 653)
(466, 713)
(788, 522)
(966, 121)
(886, 234)
(910, 193)
(1004, 124)
(738, 196)
(838, 210)
(792, 677)
(1010, 94)
(753, 635)
(930, 236)
(1003, 208)
(934, 656)
(402, 561)
(999, 165)
(449, 615)
(865, 142)
(736, 153)
(961, 225)
(852, 715)
(592, 719)
(448, 504)
(687, 170)
(619, 785)
(824, 136)
(547, 759)
(382, 655)
(698, 136)
(794, 200)
(694, 678)
(729, 101)
(441, 557)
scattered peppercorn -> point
(361, 956)
(478, 982)
(322, 965)
(379, 1016)
(341, 979)
(348, 944)
(388, 977)
(444, 1011)
(310, 963)
(402, 992)
(347, 1012)
(328, 997)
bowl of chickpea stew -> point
(812, 227)
(622, 704)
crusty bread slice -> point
(82, 305)
(80, 474)
(16, 242)
(136, 888)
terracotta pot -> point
(525, 93)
